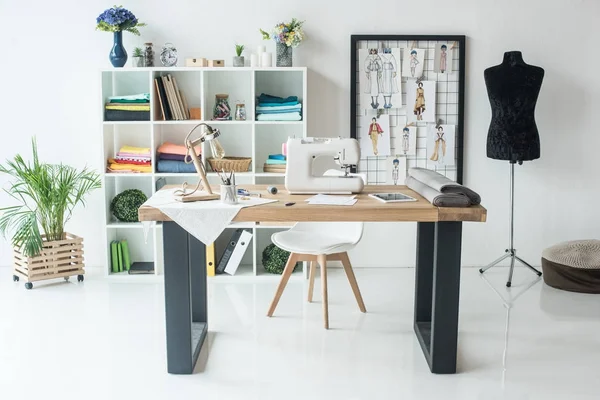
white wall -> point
(50, 89)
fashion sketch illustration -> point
(405, 140)
(419, 108)
(439, 151)
(420, 100)
(380, 78)
(395, 170)
(414, 62)
(375, 135)
(443, 59)
(440, 145)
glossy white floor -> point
(105, 340)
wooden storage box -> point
(216, 63)
(196, 62)
(58, 259)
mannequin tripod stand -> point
(511, 251)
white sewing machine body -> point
(301, 153)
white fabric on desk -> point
(205, 220)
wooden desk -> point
(437, 277)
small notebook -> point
(145, 267)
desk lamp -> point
(203, 190)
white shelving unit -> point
(250, 138)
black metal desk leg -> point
(437, 293)
(185, 298)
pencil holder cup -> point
(229, 194)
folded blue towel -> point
(267, 98)
(276, 157)
(294, 116)
(276, 162)
(263, 111)
(296, 107)
(289, 103)
(171, 166)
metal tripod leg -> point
(528, 266)
(482, 270)
(512, 268)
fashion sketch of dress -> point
(374, 132)
(389, 80)
(439, 151)
(413, 62)
(395, 171)
(443, 55)
(420, 102)
(373, 68)
(405, 141)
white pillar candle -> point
(260, 49)
(254, 60)
(266, 59)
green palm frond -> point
(47, 194)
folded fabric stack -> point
(131, 159)
(275, 163)
(172, 157)
(128, 108)
(273, 108)
(439, 190)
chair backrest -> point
(347, 232)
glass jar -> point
(148, 55)
(222, 111)
(240, 112)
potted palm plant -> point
(46, 195)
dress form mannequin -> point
(513, 88)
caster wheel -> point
(15, 278)
(481, 271)
(28, 285)
(539, 274)
(66, 279)
(79, 278)
(508, 284)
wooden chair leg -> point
(311, 280)
(322, 259)
(352, 279)
(285, 277)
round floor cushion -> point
(573, 266)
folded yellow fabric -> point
(135, 150)
(114, 166)
(129, 108)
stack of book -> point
(121, 260)
(173, 105)
(128, 108)
(275, 163)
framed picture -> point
(440, 101)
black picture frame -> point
(460, 39)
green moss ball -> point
(125, 205)
(274, 259)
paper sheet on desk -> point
(205, 220)
(323, 199)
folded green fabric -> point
(134, 98)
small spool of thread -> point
(272, 189)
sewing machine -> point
(300, 177)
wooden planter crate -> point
(58, 259)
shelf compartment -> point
(116, 136)
(140, 249)
(189, 85)
(235, 83)
(112, 187)
(123, 84)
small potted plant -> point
(286, 36)
(46, 195)
(238, 61)
(117, 20)
(138, 57)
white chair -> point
(319, 242)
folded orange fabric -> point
(114, 166)
(179, 149)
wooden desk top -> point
(366, 209)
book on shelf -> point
(173, 103)
(143, 267)
(120, 256)
(235, 250)
(165, 110)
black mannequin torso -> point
(513, 88)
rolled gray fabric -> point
(442, 184)
(437, 198)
